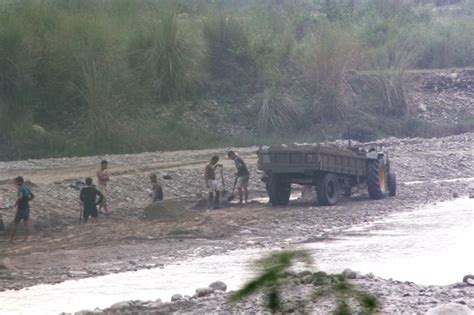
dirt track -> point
(60, 249)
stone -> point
(218, 285)
(455, 195)
(450, 309)
(83, 312)
(304, 273)
(120, 305)
(349, 274)
(321, 278)
(200, 292)
(307, 279)
(176, 297)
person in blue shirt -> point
(22, 207)
(243, 176)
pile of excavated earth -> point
(443, 97)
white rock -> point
(218, 285)
(120, 305)
(204, 292)
(450, 309)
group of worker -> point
(214, 185)
(92, 197)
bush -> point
(164, 59)
(228, 56)
(279, 112)
(447, 45)
(333, 55)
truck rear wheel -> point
(392, 184)
(377, 182)
(279, 190)
(328, 190)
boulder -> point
(204, 292)
(120, 305)
(308, 279)
(304, 273)
(349, 274)
(450, 309)
(176, 297)
(218, 285)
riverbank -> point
(429, 171)
(395, 297)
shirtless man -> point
(103, 178)
(212, 183)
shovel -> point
(224, 192)
(231, 197)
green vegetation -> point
(275, 276)
(116, 76)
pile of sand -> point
(166, 209)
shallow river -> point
(427, 246)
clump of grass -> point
(334, 54)
(273, 276)
(275, 273)
(227, 48)
(163, 58)
(278, 112)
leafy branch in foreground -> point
(276, 274)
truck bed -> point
(309, 159)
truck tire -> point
(392, 184)
(328, 190)
(376, 179)
(279, 190)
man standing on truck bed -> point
(242, 175)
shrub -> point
(227, 45)
(278, 112)
(333, 55)
(163, 58)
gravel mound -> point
(166, 209)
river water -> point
(428, 246)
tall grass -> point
(279, 112)
(163, 58)
(107, 76)
(333, 54)
(227, 48)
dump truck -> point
(334, 171)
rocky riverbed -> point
(428, 170)
(394, 297)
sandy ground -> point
(60, 249)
